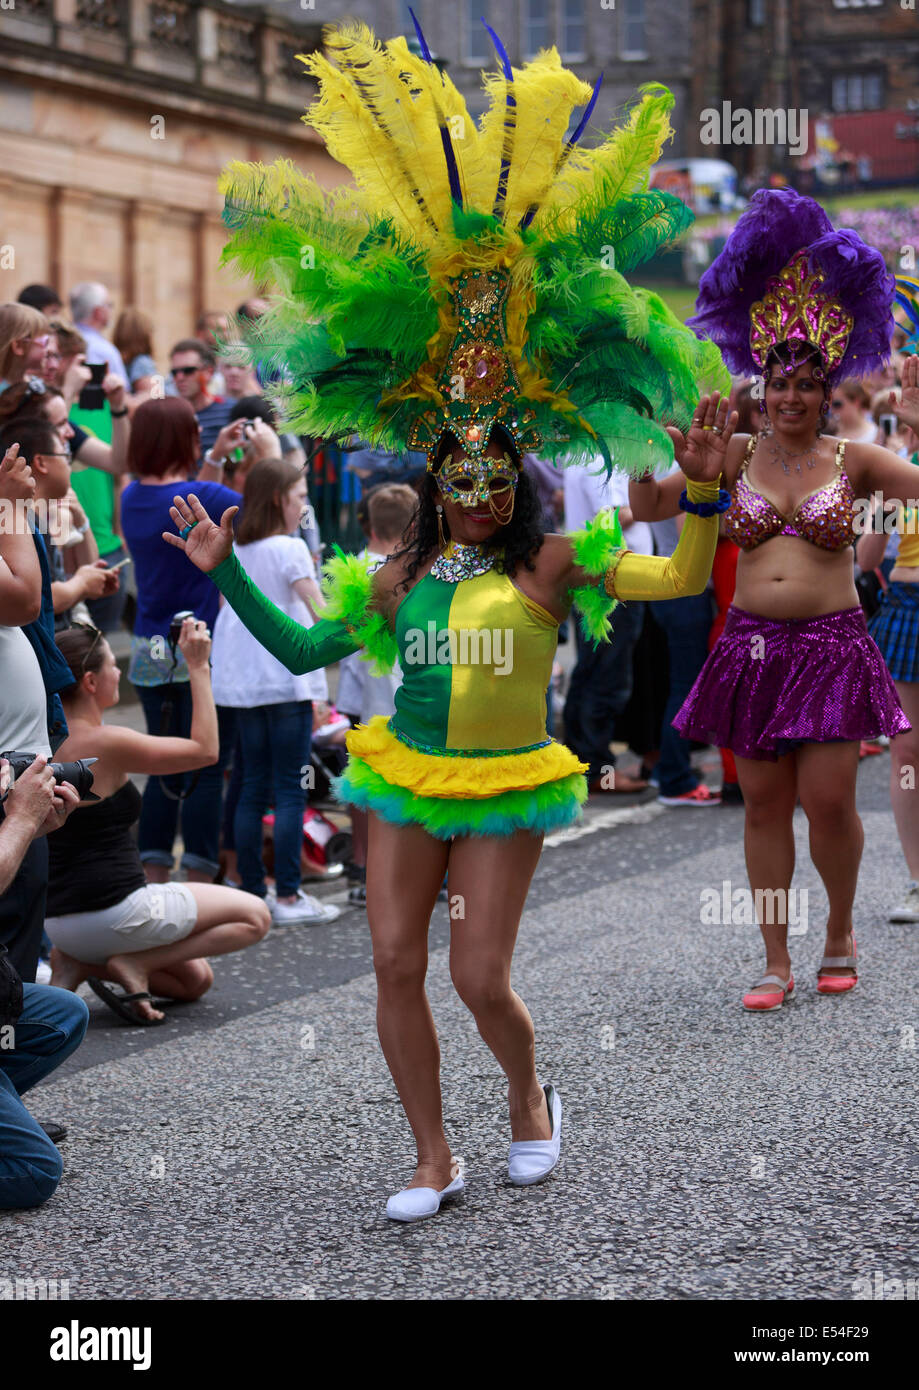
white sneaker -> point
(43, 973)
(415, 1203)
(306, 911)
(908, 911)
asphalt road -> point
(246, 1149)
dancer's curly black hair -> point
(520, 539)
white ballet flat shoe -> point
(415, 1203)
(531, 1160)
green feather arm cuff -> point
(298, 648)
(347, 587)
(596, 547)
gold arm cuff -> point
(609, 579)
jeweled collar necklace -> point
(460, 562)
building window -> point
(855, 4)
(477, 45)
(574, 30)
(756, 14)
(632, 33)
(536, 33)
(858, 91)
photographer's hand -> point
(76, 377)
(32, 798)
(195, 644)
(66, 800)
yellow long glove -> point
(685, 572)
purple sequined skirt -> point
(769, 685)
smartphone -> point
(120, 566)
(92, 396)
(888, 424)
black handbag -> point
(10, 989)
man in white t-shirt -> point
(601, 682)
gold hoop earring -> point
(440, 527)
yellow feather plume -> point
(546, 93)
(624, 160)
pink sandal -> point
(837, 984)
(762, 1003)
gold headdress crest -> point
(794, 309)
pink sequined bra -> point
(824, 518)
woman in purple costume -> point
(795, 682)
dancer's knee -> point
(483, 987)
(399, 969)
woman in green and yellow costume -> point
(467, 299)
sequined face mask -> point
(472, 482)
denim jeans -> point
(50, 1027)
(601, 684)
(686, 623)
(22, 910)
(275, 742)
(199, 813)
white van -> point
(707, 185)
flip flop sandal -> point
(120, 1004)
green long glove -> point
(298, 648)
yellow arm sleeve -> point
(685, 572)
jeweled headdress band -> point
(793, 310)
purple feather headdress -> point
(785, 275)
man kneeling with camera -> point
(39, 1026)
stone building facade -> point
(851, 65)
(116, 117)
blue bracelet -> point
(705, 508)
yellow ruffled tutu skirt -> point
(451, 793)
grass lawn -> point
(680, 299)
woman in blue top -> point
(163, 456)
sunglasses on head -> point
(87, 627)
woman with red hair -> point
(163, 455)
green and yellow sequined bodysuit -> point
(466, 751)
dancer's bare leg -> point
(489, 879)
(769, 793)
(405, 868)
(826, 784)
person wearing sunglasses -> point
(193, 366)
(24, 337)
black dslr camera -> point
(77, 773)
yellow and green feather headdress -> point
(475, 274)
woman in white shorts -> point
(105, 921)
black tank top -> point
(93, 860)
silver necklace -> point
(463, 562)
(779, 454)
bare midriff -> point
(790, 578)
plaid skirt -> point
(895, 628)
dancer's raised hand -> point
(205, 543)
(702, 453)
(906, 408)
